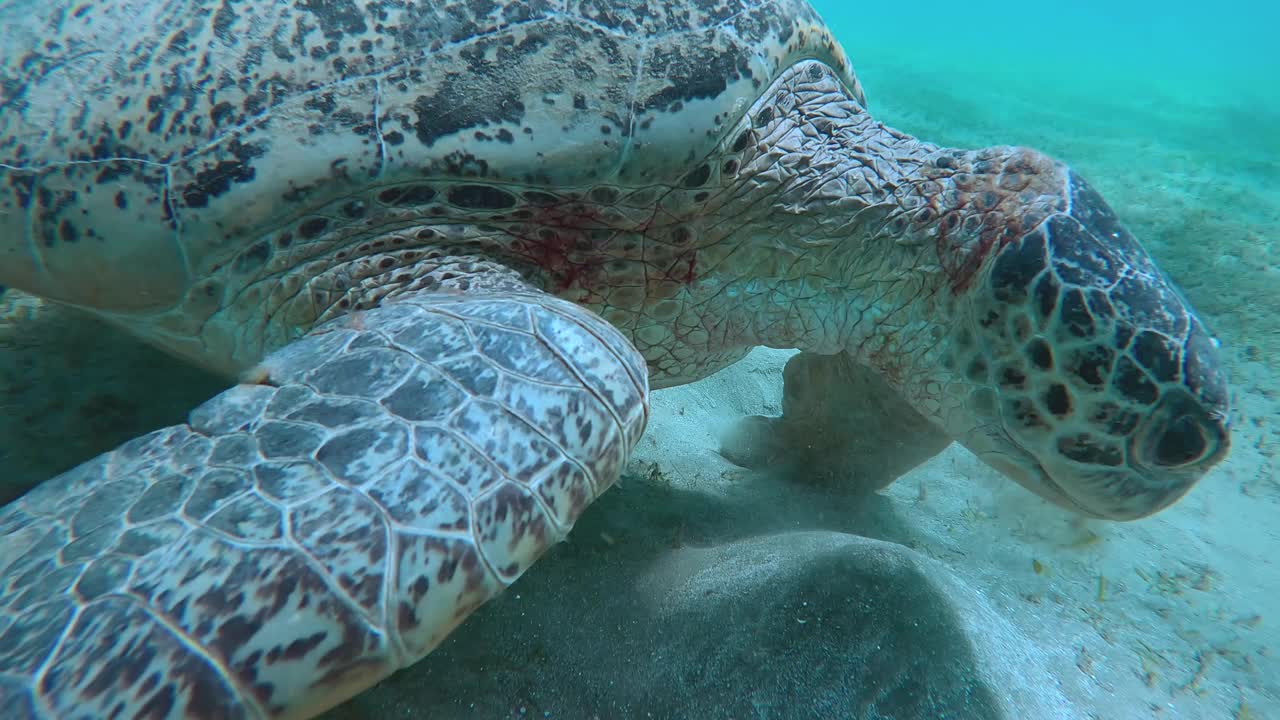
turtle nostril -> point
(1181, 443)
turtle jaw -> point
(1127, 492)
(1105, 493)
(1000, 448)
(1023, 468)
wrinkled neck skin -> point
(877, 234)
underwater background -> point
(660, 605)
(1171, 109)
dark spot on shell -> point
(468, 100)
(322, 103)
(214, 182)
(694, 70)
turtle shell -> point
(144, 144)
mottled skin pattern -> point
(375, 213)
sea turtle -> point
(447, 248)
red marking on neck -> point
(961, 260)
(556, 239)
(572, 240)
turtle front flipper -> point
(314, 529)
(841, 421)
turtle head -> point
(1088, 377)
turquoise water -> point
(1122, 43)
(1171, 109)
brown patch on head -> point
(985, 200)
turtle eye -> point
(1182, 443)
